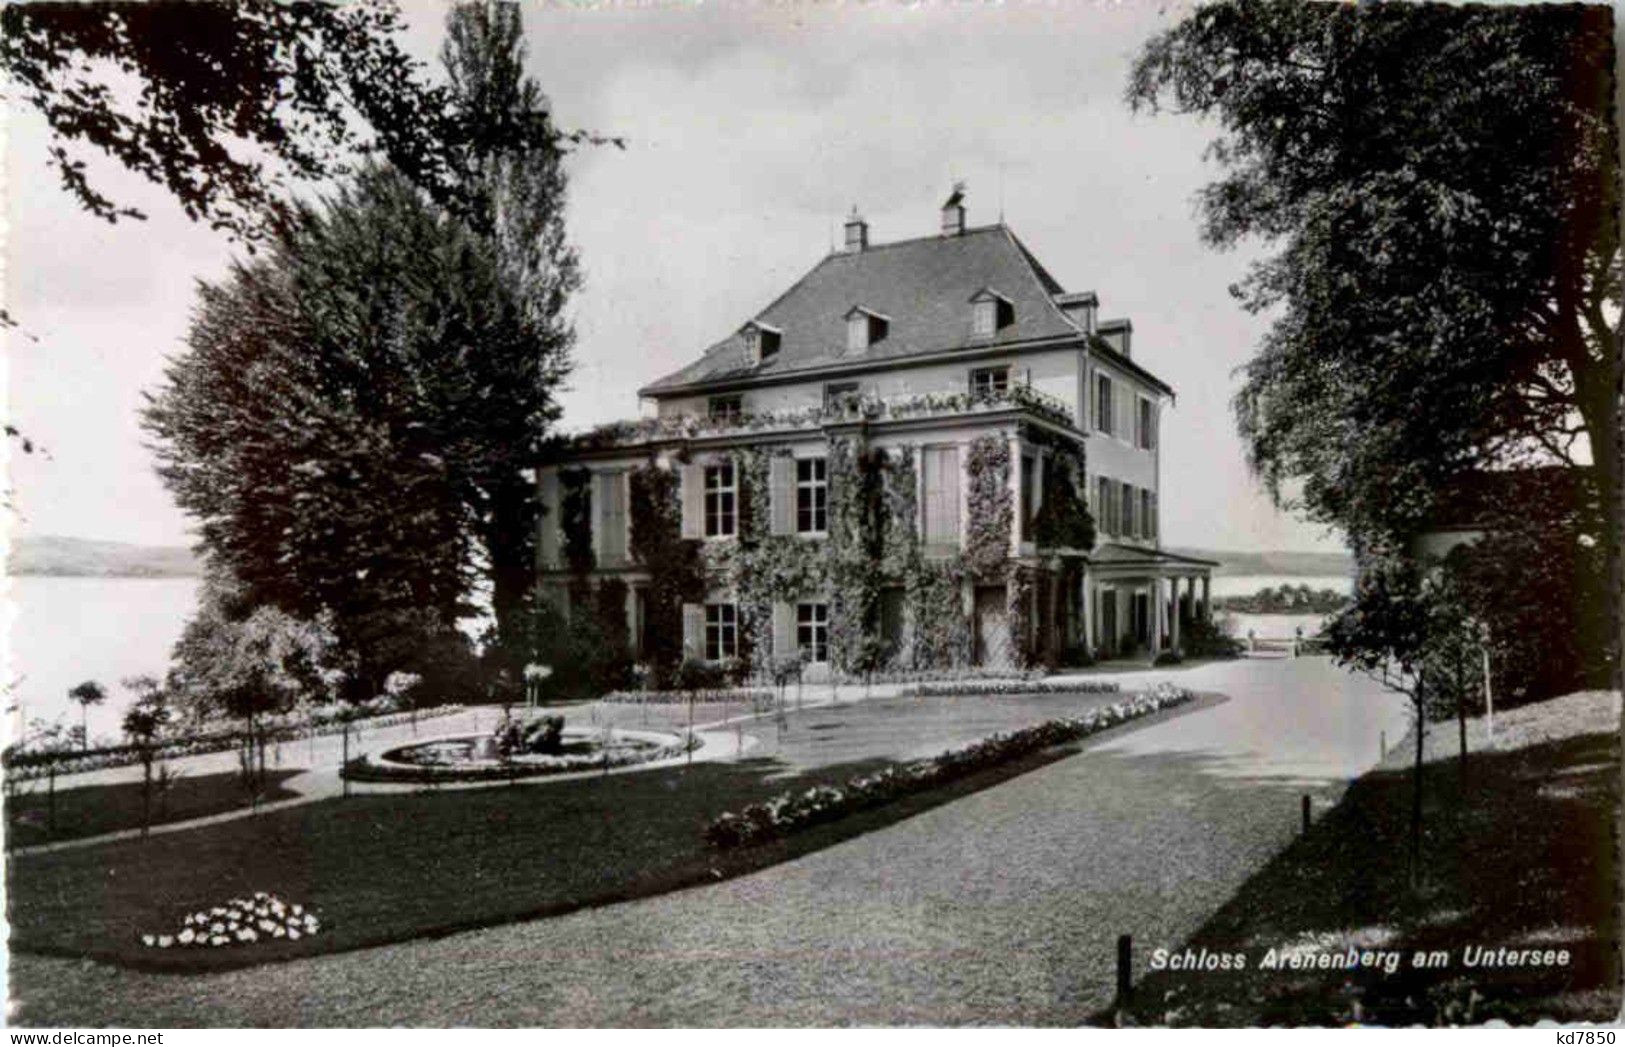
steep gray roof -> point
(923, 286)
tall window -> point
(612, 529)
(721, 631)
(727, 408)
(1128, 528)
(812, 631)
(812, 496)
(1104, 417)
(939, 484)
(989, 381)
(721, 500)
(1148, 527)
(1145, 431)
(1103, 505)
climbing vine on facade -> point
(676, 575)
(990, 514)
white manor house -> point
(891, 462)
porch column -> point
(1156, 616)
(1207, 609)
(1087, 606)
(1173, 629)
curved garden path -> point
(1000, 908)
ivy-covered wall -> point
(872, 544)
(676, 574)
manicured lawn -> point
(1519, 854)
(96, 809)
(383, 868)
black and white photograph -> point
(777, 515)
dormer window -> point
(865, 327)
(761, 342)
(991, 312)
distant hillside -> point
(1284, 563)
(83, 558)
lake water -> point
(1276, 626)
(67, 630)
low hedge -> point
(757, 696)
(791, 812)
(1008, 688)
(27, 766)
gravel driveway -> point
(1000, 908)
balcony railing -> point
(844, 410)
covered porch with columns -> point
(1137, 599)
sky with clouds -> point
(751, 132)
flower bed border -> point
(1009, 688)
(29, 766)
(792, 812)
(757, 696)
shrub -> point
(1168, 657)
(696, 675)
(1210, 638)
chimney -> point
(953, 211)
(857, 232)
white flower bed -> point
(241, 921)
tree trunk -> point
(1461, 715)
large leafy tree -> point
(227, 106)
(512, 178)
(1439, 183)
(336, 412)
(222, 104)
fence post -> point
(1125, 969)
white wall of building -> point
(1054, 372)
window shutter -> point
(549, 539)
(603, 511)
(784, 630)
(693, 630)
(1154, 521)
(782, 494)
(692, 481)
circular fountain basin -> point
(474, 757)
